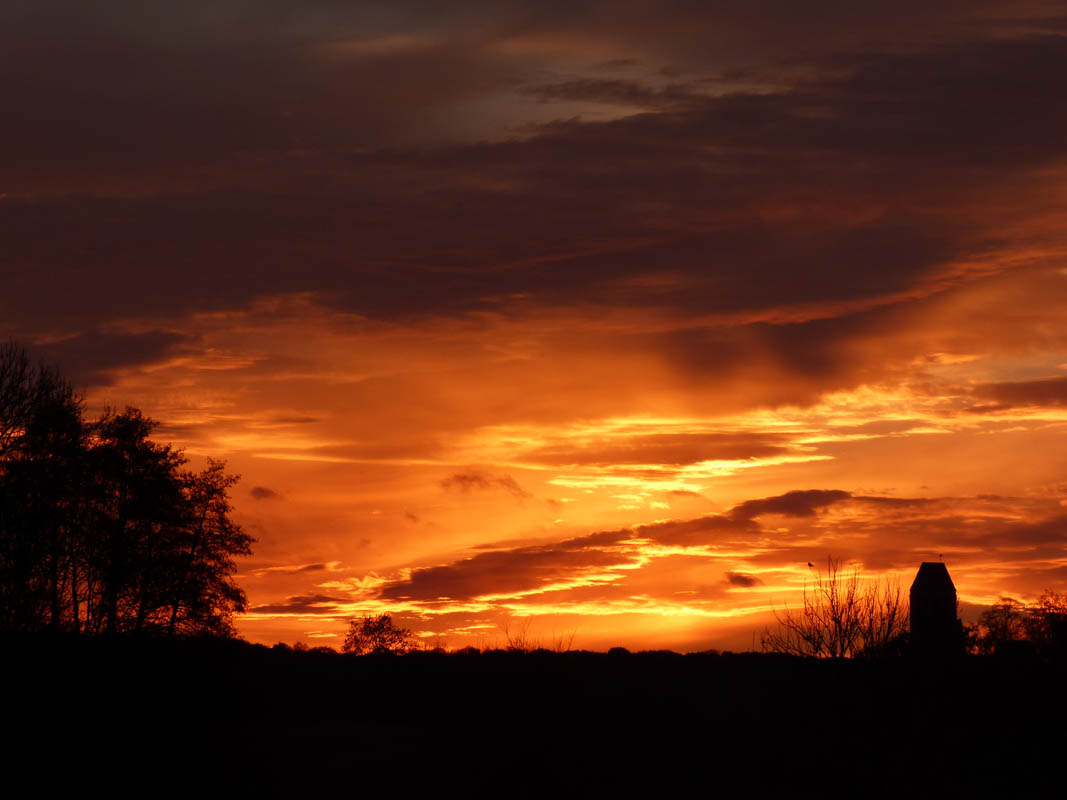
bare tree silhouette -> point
(841, 617)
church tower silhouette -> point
(935, 624)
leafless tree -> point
(842, 617)
(562, 643)
(518, 638)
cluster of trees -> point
(1041, 625)
(841, 617)
(101, 529)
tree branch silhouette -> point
(841, 617)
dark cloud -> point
(90, 358)
(468, 481)
(798, 360)
(898, 502)
(883, 533)
(302, 604)
(295, 570)
(700, 531)
(1042, 392)
(506, 572)
(798, 503)
(703, 205)
(741, 580)
(1046, 537)
(892, 533)
(618, 92)
(263, 493)
(530, 568)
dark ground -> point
(149, 715)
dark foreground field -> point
(158, 715)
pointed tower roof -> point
(933, 577)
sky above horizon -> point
(595, 319)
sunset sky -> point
(600, 318)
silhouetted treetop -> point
(1040, 626)
(33, 399)
(377, 635)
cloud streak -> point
(478, 481)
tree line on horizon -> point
(841, 617)
(102, 530)
(1040, 626)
